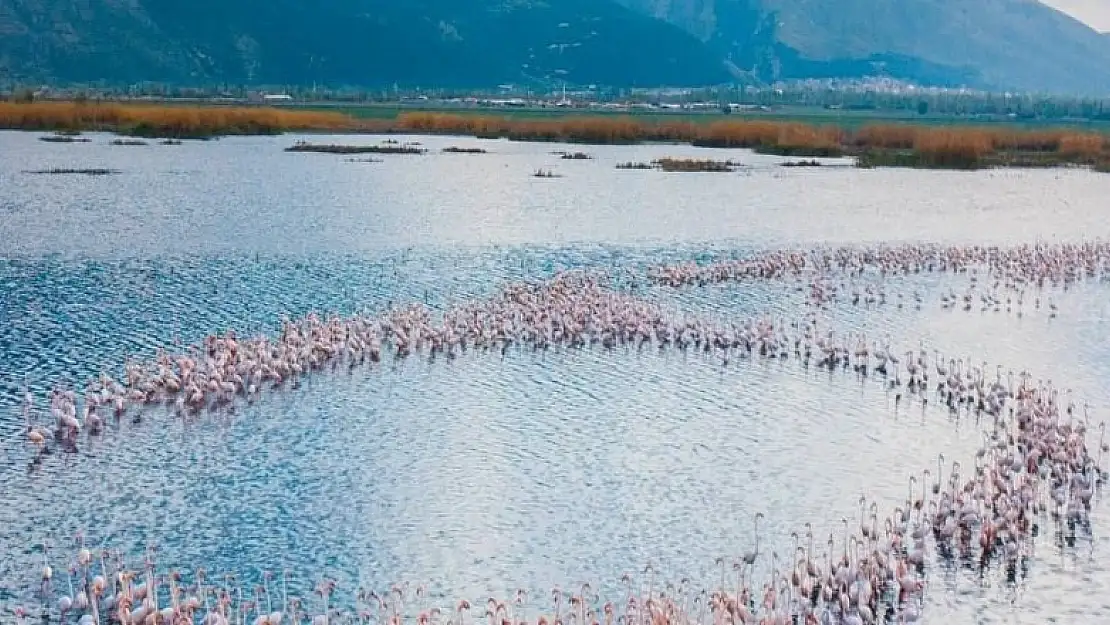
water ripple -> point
(485, 474)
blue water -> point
(486, 474)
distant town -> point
(830, 97)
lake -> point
(488, 473)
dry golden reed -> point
(1086, 145)
(730, 134)
(951, 146)
(937, 143)
(885, 136)
(175, 121)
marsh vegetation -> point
(874, 145)
(901, 145)
(669, 164)
(695, 165)
(66, 171)
(63, 138)
(304, 146)
(165, 121)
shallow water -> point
(486, 474)
(245, 193)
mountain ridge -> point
(1018, 45)
(348, 42)
(991, 44)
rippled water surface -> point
(528, 469)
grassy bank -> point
(874, 145)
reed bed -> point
(1088, 146)
(304, 146)
(786, 139)
(809, 163)
(457, 150)
(974, 148)
(964, 147)
(669, 164)
(85, 172)
(694, 165)
(128, 142)
(950, 149)
(592, 130)
(63, 138)
(166, 121)
(902, 145)
(575, 156)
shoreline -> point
(872, 145)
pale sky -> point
(1094, 12)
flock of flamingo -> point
(997, 277)
(1035, 466)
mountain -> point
(441, 43)
(993, 44)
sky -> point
(1094, 12)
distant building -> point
(277, 97)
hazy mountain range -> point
(998, 44)
(456, 43)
